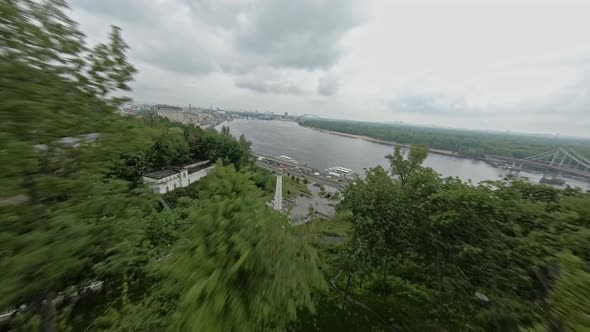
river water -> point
(322, 150)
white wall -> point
(194, 177)
(164, 185)
(181, 179)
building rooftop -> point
(191, 167)
(198, 167)
(161, 174)
(168, 107)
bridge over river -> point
(557, 161)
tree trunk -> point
(346, 291)
(48, 313)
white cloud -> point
(508, 65)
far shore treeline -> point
(466, 143)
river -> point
(322, 150)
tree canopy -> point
(86, 246)
(75, 213)
(432, 243)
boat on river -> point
(287, 159)
(340, 172)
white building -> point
(176, 114)
(172, 113)
(168, 179)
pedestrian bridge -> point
(559, 160)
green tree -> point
(230, 275)
(109, 69)
(225, 131)
(404, 168)
(215, 146)
(171, 147)
(134, 165)
(69, 224)
(336, 196)
(446, 239)
(569, 297)
(377, 226)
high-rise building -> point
(286, 114)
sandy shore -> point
(380, 141)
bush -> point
(335, 196)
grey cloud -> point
(427, 104)
(276, 87)
(569, 102)
(298, 34)
(172, 57)
(159, 33)
(328, 86)
(572, 100)
(132, 11)
(199, 37)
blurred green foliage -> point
(74, 210)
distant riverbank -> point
(322, 149)
(380, 141)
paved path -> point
(310, 177)
(323, 207)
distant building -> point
(172, 113)
(175, 114)
(286, 114)
(173, 177)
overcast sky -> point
(520, 65)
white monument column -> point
(278, 201)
